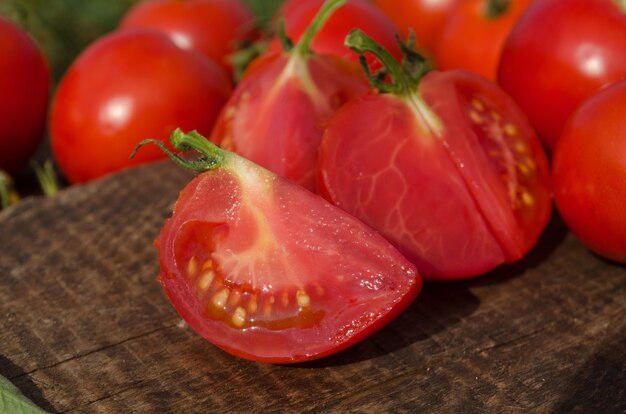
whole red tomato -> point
(208, 26)
(269, 271)
(127, 86)
(25, 85)
(558, 54)
(475, 33)
(298, 15)
(425, 17)
(445, 166)
(589, 172)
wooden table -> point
(84, 326)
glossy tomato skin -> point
(276, 115)
(268, 271)
(472, 39)
(126, 87)
(589, 172)
(459, 182)
(426, 18)
(298, 14)
(25, 85)
(560, 53)
(211, 27)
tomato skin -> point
(459, 194)
(298, 14)
(296, 96)
(426, 18)
(589, 172)
(586, 40)
(473, 40)
(264, 235)
(208, 26)
(25, 85)
(128, 86)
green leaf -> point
(13, 402)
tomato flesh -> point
(268, 271)
(459, 187)
(277, 113)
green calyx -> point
(404, 77)
(496, 8)
(8, 196)
(303, 47)
(210, 156)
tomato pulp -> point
(269, 271)
(276, 115)
(451, 173)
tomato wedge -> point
(446, 167)
(275, 116)
(269, 271)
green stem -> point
(304, 45)
(8, 195)
(47, 177)
(496, 8)
(211, 156)
(402, 82)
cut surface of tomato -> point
(269, 271)
(450, 173)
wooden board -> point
(84, 326)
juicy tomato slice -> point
(269, 271)
(277, 113)
(459, 187)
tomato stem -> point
(404, 78)
(496, 8)
(8, 195)
(47, 177)
(210, 155)
(304, 45)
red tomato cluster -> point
(437, 174)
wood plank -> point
(84, 326)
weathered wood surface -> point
(84, 326)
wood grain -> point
(85, 328)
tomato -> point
(269, 271)
(275, 116)
(475, 33)
(208, 26)
(589, 172)
(425, 17)
(446, 167)
(25, 84)
(550, 65)
(298, 14)
(125, 87)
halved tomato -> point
(269, 271)
(446, 167)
